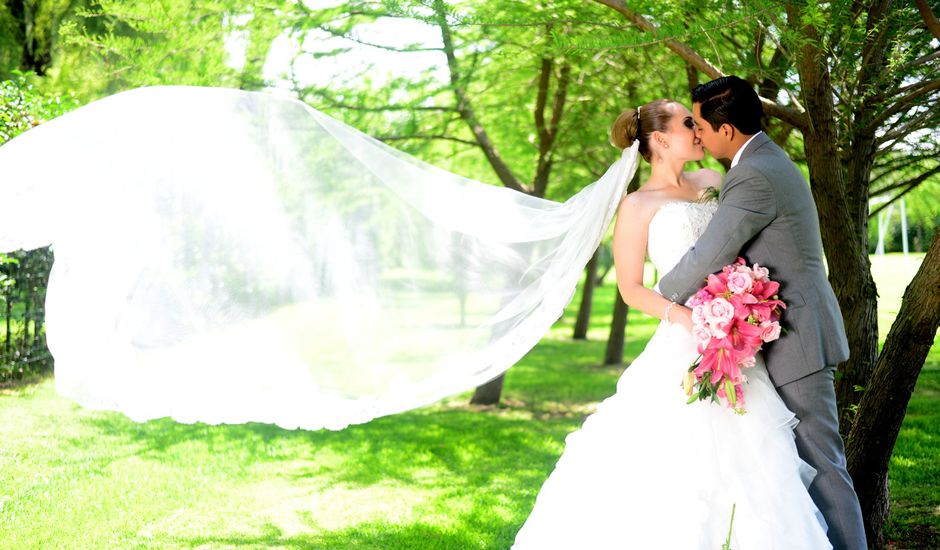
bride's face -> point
(681, 138)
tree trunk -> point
(9, 339)
(35, 56)
(856, 290)
(547, 128)
(587, 295)
(849, 267)
(889, 390)
(488, 394)
(618, 331)
(259, 45)
(27, 313)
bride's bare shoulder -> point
(637, 207)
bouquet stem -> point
(727, 544)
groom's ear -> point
(727, 131)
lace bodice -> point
(674, 228)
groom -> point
(767, 215)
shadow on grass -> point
(467, 443)
(489, 465)
(368, 535)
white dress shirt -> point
(737, 156)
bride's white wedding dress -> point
(647, 470)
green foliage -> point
(22, 106)
(111, 45)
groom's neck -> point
(736, 143)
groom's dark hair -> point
(729, 100)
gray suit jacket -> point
(766, 214)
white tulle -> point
(647, 470)
(226, 256)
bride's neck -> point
(667, 173)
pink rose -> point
(702, 335)
(698, 315)
(718, 311)
(761, 273)
(770, 331)
(739, 282)
(748, 362)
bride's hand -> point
(682, 315)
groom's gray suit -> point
(766, 214)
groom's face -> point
(715, 142)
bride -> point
(647, 470)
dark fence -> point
(23, 279)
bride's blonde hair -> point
(640, 123)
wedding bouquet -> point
(734, 314)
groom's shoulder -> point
(747, 170)
(767, 151)
(764, 159)
(771, 162)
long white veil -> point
(228, 256)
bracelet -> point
(666, 313)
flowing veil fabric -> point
(225, 256)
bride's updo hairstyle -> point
(634, 124)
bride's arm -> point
(630, 237)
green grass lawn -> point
(445, 476)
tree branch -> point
(910, 184)
(427, 136)
(920, 61)
(691, 77)
(503, 172)
(542, 97)
(929, 19)
(558, 105)
(904, 103)
(345, 36)
(548, 134)
(899, 163)
(329, 99)
(786, 113)
(927, 119)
